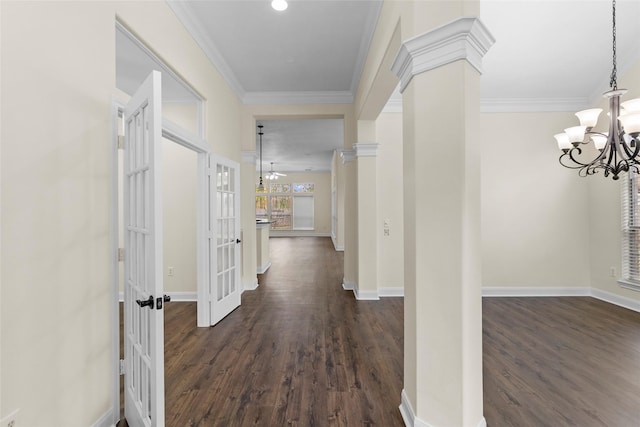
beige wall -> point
(321, 203)
(535, 217)
(58, 76)
(390, 201)
(179, 204)
(605, 215)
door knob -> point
(238, 240)
(146, 303)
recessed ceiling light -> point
(279, 5)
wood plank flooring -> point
(301, 351)
(571, 361)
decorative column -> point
(350, 281)
(440, 82)
(249, 276)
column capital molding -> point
(347, 156)
(365, 149)
(465, 38)
(249, 157)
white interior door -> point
(143, 288)
(224, 237)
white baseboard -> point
(391, 292)
(410, 419)
(106, 420)
(335, 245)
(348, 286)
(264, 268)
(366, 295)
(175, 296)
(535, 292)
(250, 286)
(609, 297)
(183, 296)
(621, 301)
(297, 233)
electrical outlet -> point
(171, 271)
(10, 420)
(612, 272)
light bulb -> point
(632, 105)
(576, 134)
(631, 123)
(563, 141)
(589, 118)
(279, 5)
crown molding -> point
(195, 28)
(366, 149)
(532, 105)
(301, 97)
(393, 106)
(249, 157)
(464, 38)
(347, 155)
(365, 43)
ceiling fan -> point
(274, 175)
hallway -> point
(300, 350)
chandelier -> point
(617, 150)
(260, 184)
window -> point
(287, 206)
(631, 231)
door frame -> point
(178, 135)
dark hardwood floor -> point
(571, 361)
(301, 351)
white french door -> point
(143, 287)
(224, 237)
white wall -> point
(321, 202)
(535, 216)
(390, 201)
(58, 77)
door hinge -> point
(120, 254)
(121, 367)
(120, 142)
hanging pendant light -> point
(617, 149)
(260, 184)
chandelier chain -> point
(614, 72)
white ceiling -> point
(548, 55)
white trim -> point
(264, 268)
(406, 410)
(535, 292)
(410, 419)
(195, 29)
(117, 108)
(530, 105)
(105, 420)
(183, 296)
(628, 285)
(298, 97)
(366, 295)
(347, 156)
(391, 292)
(618, 300)
(363, 149)
(180, 136)
(250, 286)
(462, 39)
(334, 240)
(370, 24)
(348, 286)
(298, 232)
